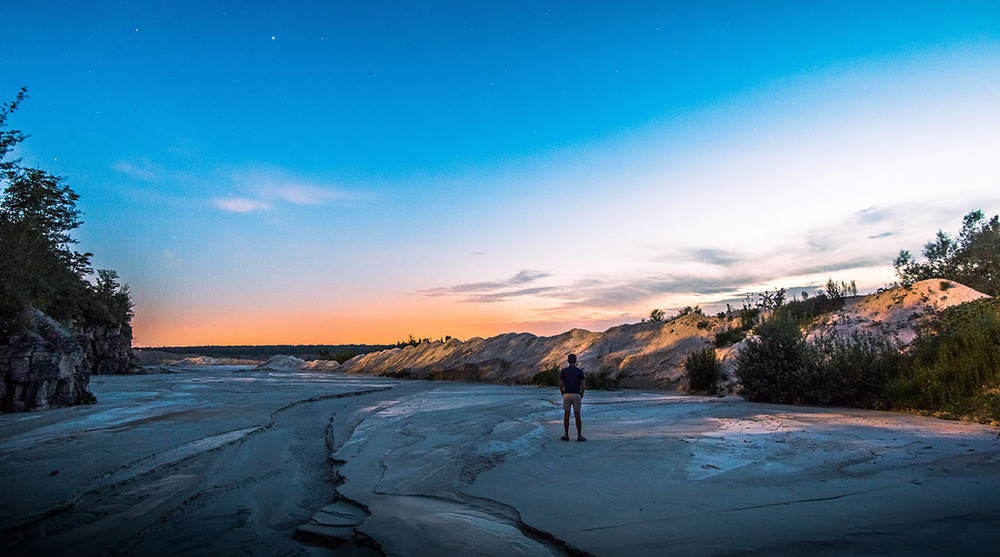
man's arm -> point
(562, 386)
(583, 387)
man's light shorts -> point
(572, 400)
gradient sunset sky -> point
(338, 172)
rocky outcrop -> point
(47, 364)
(43, 366)
(109, 350)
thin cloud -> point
(486, 290)
(145, 171)
(281, 186)
(241, 204)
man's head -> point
(572, 359)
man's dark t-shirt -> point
(571, 377)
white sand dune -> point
(644, 355)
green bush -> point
(702, 371)
(955, 364)
(771, 365)
(726, 337)
(804, 311)
(548, 377)
(731, 335)
(600, 380)
(855, 370)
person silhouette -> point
(572, 384)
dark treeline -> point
(339, 352)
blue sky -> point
(357, 172)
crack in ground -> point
(737, 509)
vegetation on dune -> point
(41, 268)
(951, 369)
(972, 259)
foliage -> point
(804, 311)
(657, 315)
(731, 335)
(973, 258)
(689, 310)
(600, 380)
(339, 357)
(955, 365)
(704, 324)
(404, 373)
(770, 366)
(702, 370)
(40, 267)
(855, 370)
(839, 291)
(339, 352)
(548, 377)
(767, 300)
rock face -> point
(646, 355)
(47, 365)
(44, 366)
(109, 350)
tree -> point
(657, 315)
(40, 267)
(972, 259)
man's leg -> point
(579, 424)
(566, 422)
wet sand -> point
(221, 462)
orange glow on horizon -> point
(210, 327)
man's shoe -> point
(565, 438)
(581, 438)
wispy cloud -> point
(495, 291)
(281, 186)
(240, 204)
(715, 275)
(141, 170)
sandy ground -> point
(215, 462)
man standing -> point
(572, 385)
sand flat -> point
(212, 461)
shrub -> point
(802, 312)
(955, 365)
(855, 370)
(600, 380)
(704, 324)
(548, 377)
(770, 365)
(729, 336)
(702, 371)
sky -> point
(357, 172)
